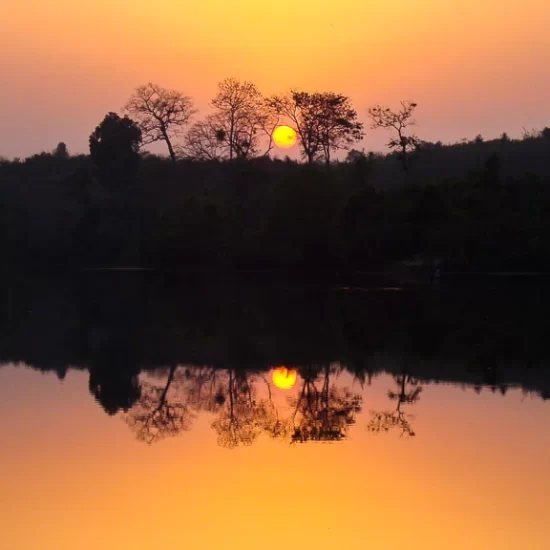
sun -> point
(284, 378)
(285, 137)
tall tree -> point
(238, 124)
(114, 148)
(161, 114)
(408, 393)
(322, 411)
(158, 413)
(237, 424)
(325, 122)
(397, 121)
(205, 140)
(61, 151)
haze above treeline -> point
(472, 67)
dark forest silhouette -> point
(219, 201)
(162, 349)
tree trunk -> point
(169, 144)
(231, 136)
(171, 150)
(327, 155)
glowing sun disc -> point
(284, 378)
(285, 137)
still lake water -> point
(145, 413)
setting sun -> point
(285, 137)
(284, 378)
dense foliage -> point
(474, 206)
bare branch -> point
(161, 114)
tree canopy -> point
(398, 121)
(325, 122)
(161, 114)
(114, 148)
(240, 126)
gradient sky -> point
(473, 66)
(475, 477)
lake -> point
(150, 411)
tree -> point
(399, 121)
(323, 413)
(237, 424)
(114, 388)
(205, 141)
(161, 114)
(408, 393)
(235, 129)
(339, 126)
(324, 122)
(158, 414)
(61, 151)
(114, 148)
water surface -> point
(140, 414)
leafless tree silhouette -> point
(158, 414)
(408, 393)
(398, 121)
(237, 423)
(324, 412)
(241, 122)
(161, 114)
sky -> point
(472, 66)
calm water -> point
(145, 413)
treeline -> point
(220, 202)
(268, 214)
(117, 325)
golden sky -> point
(475, 477)
(473, 66)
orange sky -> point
(475, 477)
(473, 67)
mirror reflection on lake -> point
(147, 411)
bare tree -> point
(241, 119)
(322, 411)
(324, 122)
(205, 140)
(205, 388)
(408, 393)
(157, 414)
(237, 424)
(161, 114)
(398, 121)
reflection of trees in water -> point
(236, 423)
(323, 412)
(272, 424)
(166, 410)
(244, 417)
(204, 388)
(114, 389)
(408, 393)
(159, 412)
